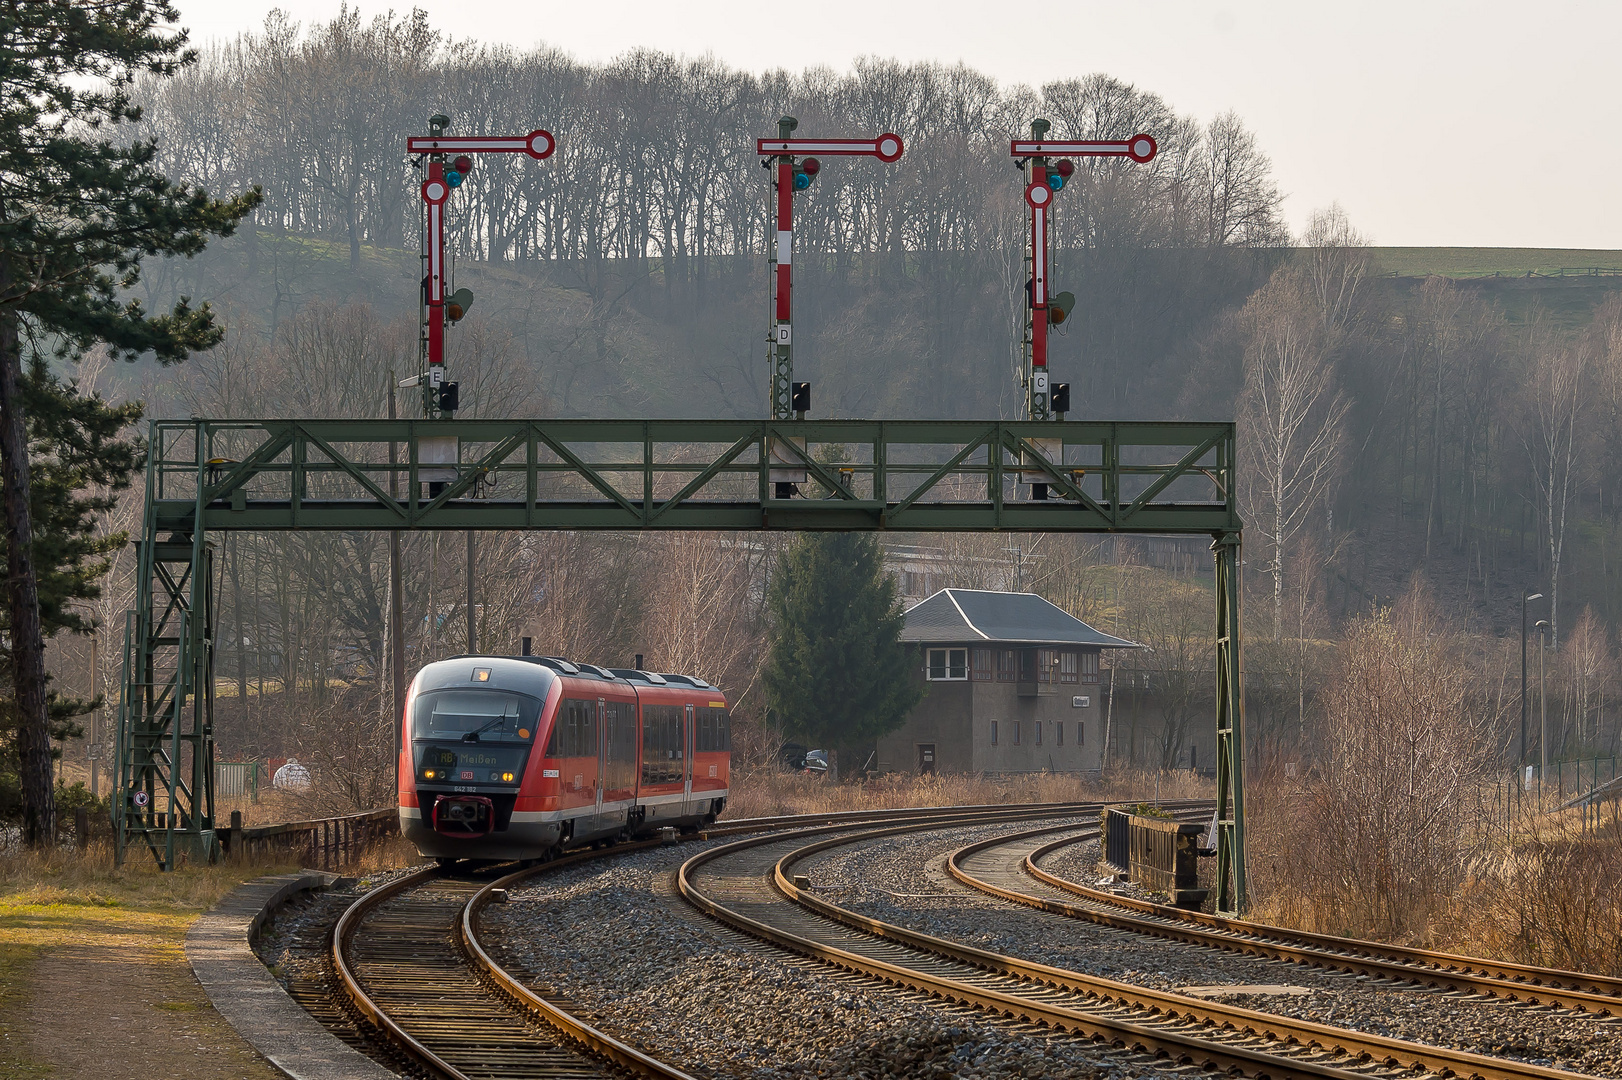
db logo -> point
(466, 776)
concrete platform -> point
(252, 1001)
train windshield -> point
(474, 716)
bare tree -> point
(1558, 403)
(1291, 414)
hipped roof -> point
(968, 615)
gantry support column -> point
(1232, 890)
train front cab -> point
(468, 767)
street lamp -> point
(1525, 596)
(1542, 627)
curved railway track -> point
(408, 959)
(749, 885)
(1009, 867)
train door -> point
(687, 762)
(602, 759)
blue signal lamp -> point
(801, 181)
(453, 178)
(1055, 179)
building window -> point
(1058, 733)
(1081, 733)
(1044, 665)
(1016, 725)
(994, 733)
(948, 665)
(1067, 667)
(982, 665)
(1089, 663)
(1038, 733)
(1007, 666)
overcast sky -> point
(1488, 123)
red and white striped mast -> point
(437, 307)
(1042, 182)
(792, 177)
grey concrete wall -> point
(943, 718)
(1053, 705)
(956, 717)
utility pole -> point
(472, 619)
(795, 173)
(1543, 702)
(1526, 595)
(396, 590)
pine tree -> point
(78, 213)
(837, 673)
(78, 462)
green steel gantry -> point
(208, 476)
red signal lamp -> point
(463, 164)
(810, 166)
(1065, 166)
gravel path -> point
(903, 880)
(616, 940)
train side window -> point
(723, 723)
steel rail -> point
(342, 932)
(593, 1038)
(576, 1029)
(1596, 994)
(1126, 1034)
(1294, 1034)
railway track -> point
(410, 965)
(1009, 867)
(749, 885)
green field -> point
(1469, 262)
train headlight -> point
(428, 774)
(507, 776)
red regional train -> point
(518, 757)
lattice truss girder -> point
(911, 475)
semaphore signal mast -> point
(438, 309)
(1044, 178)
(788, 397)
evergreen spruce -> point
(837, 674)
(78, 213)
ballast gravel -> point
(903, 880)
(612, 942)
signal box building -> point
(1010, 686)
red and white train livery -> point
(513, 757)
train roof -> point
(560, 666)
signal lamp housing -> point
(457, 303)
(800, 397)
(450, 397)
(453, 178)
(1066, 167)
(1060, 306)
(811, 166)
(463, 164)
(1059, 399)
(1055, 179)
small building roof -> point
(1017, 618)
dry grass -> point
(769, 793)
(116, 934)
